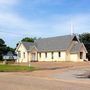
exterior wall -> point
(49, 56)
(65, 55)
(84, 54)
(34, 51)
(74, 57)
(22, 50)
(68, 56)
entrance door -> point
(81, 55)
(33, 57)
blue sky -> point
(42, 18)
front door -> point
(81, 55)
(33, 57)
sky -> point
(42, 18)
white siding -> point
(49, 56)
(74, 57)
(84, 54)
(22, 50)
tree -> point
(85, 38)
(10, 49)
(27, 39)
(2, 48)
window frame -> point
(52, 55)
(39, 55)
(19, 54)
(59, 54)
(24, 54)
(45, 54)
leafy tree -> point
(2, 48)
(10, 49)
(85, 37)
(27, 39)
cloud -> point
(15, 23)
(81, 23)
(54, 24)
(8, 2)
(16, 26)
(7, 5)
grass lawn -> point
(15, 68)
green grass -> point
(15, 68)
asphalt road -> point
(15, 81)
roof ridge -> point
(55, 37)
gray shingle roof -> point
(51, 44)
(76, 48)
(28, 45)
(54, 43)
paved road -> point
(15, 81)
(74, 75)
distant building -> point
(10, 56)
(60, 48)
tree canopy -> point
(27, 39)
(85, 37)
(4, 48)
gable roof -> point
(54, 43)
(9, 53)
(50, 44)
(28, 45)
(76, 48)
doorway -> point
(34, 57)
(81, 55)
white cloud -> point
(53, 24)
(8, 2)
(7, 5)
(81, 23)
(9, 21)
(50, 26)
